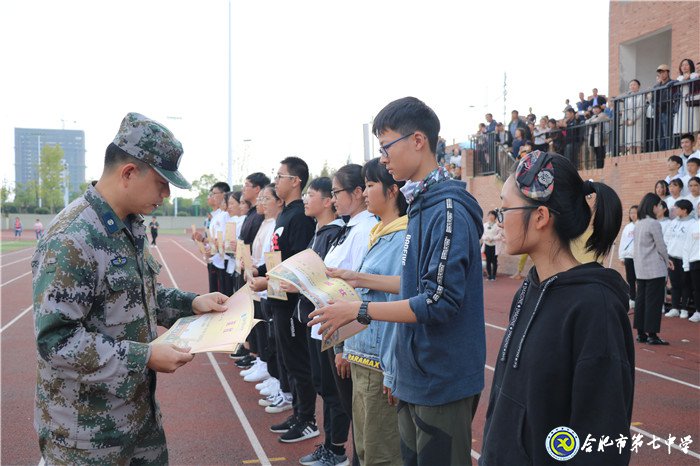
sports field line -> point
(16, 318)
(254, 441)
(14, 279)
(16, 262)
(643, 371)
(5, 254)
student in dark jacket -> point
(567, 358)
(441, 344)
(318, 204)
(293, 231)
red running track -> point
(203, 427)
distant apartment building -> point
(28, 143)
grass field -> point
(12, 245)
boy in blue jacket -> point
(441, 344)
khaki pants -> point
(437, 435)
(376, 427)
(148, 448)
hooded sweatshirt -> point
(440, 359)
(567, 359)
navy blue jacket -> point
(440, 359)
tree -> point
(26, 195)
(81, 190)
(202, 186)
(326, 170)
(5, 192)
(51, 175)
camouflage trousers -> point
(148, 448)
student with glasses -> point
(318, 204)
(571, 315)
(292, 234)
(440, 340)
(252, 187)
(347, 250)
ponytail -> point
(607, 218)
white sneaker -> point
(695, 317)
(259, 374)
(631, 303)
(282, 403)
(673, 313)
(271, 389)
(684, 314)
(268, 400)
(251, 369)
(264, 383)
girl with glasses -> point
(568, 328)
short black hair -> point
(115, 156)
(299, 168)
(258, 179)
(323, 185)
(694, 160)
(678, 182)
(688, 136)
(350, 177)
(646, 206)
(376, 172)
(664, 184)
(684, 204)
(636, 81)
(677, 159)
(222, 186)
(406, 116)
(271, 187)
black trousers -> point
(291, 344)
(647, 309)
(681, 286)
(599, 156)
(344, 387)
(336, 422)
(491, 261)
(695, 280)
(213, 278)
(275, 365)
(154, 235)
(631, 277)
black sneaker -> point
(301, 430)
(246, 362)
(283, 427)
(240, 353)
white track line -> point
(15, 252)
(474, 453)
(16, 278)
(189, 252)
(16, 262)
(640, 431)
(643, 371)
(16, 318)
(259, 451)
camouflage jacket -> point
(96, 306)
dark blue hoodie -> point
(440, 359)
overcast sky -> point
(306, 74)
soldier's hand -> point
(168, 357)
(209, 302)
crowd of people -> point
(357, 220)
(408, 237)
(649, 119)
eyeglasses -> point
(501, 211)
(383, 150)
(278, 176)
(263, 198)
(335, 193)
(213, 193)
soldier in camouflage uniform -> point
(97, 302)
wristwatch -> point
(362, 316)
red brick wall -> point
(631, 176)
(632, 19)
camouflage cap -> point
(153, 143)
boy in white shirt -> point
(675, 238)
